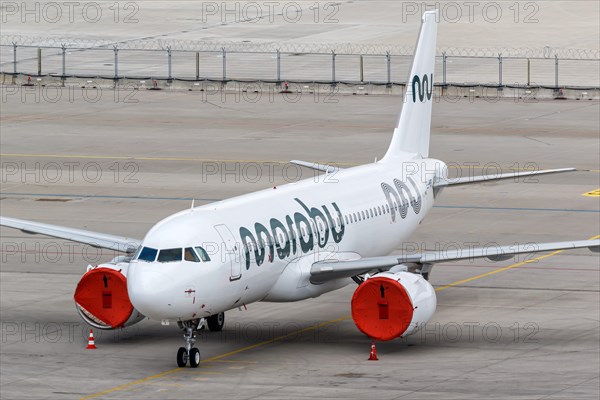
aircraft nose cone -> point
(151, 291)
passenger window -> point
(202, 253)
(371, 212)
(363, 214)
(346, 217)
(148, 254)
(169, 255)
(190, 255)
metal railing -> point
(333, 67)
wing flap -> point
(95, 239)
(324, 271)
(327, 270)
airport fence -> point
(113, 62)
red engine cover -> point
(102, 292)
(381, 308)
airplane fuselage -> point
(262, 245)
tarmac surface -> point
(565, 24)
(118, 164)
(532, 31)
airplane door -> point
(230, 251)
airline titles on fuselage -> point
(298, 234)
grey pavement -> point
(527, 332)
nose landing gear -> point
(189, 353)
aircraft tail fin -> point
(414, 125)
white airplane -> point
(294, 242)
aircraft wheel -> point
(216, 322)
(194, 357)
(182, 357)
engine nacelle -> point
(389, 305)
(101, 297)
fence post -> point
(197, 65)
(362, 71)
(389, 68)
(64, 61)
(556, 71)
(500, 69)
(39, 56)
(169, 56)
(224, 55)
(14, 58)
(278, 66)
(116, 49)
(333, 66)
(444, 59)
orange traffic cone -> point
(91, 345)
(373, 355)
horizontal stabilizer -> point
(316, 166)
(486, 178)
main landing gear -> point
(189, 352)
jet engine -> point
(101, 297)
(389, 305)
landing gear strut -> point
(189, 353)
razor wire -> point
(291, 47)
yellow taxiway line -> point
(593, 193)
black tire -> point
(215, 322)
(182, 357)
(194, 358)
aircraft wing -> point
(319, 167)
(95, 239)
(508, 175)
(323, 271)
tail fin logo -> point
(424, 85)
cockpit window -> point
(147, 254)
(168, 255)
(190, 255)
(202, 253)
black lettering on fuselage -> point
(297, 235)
